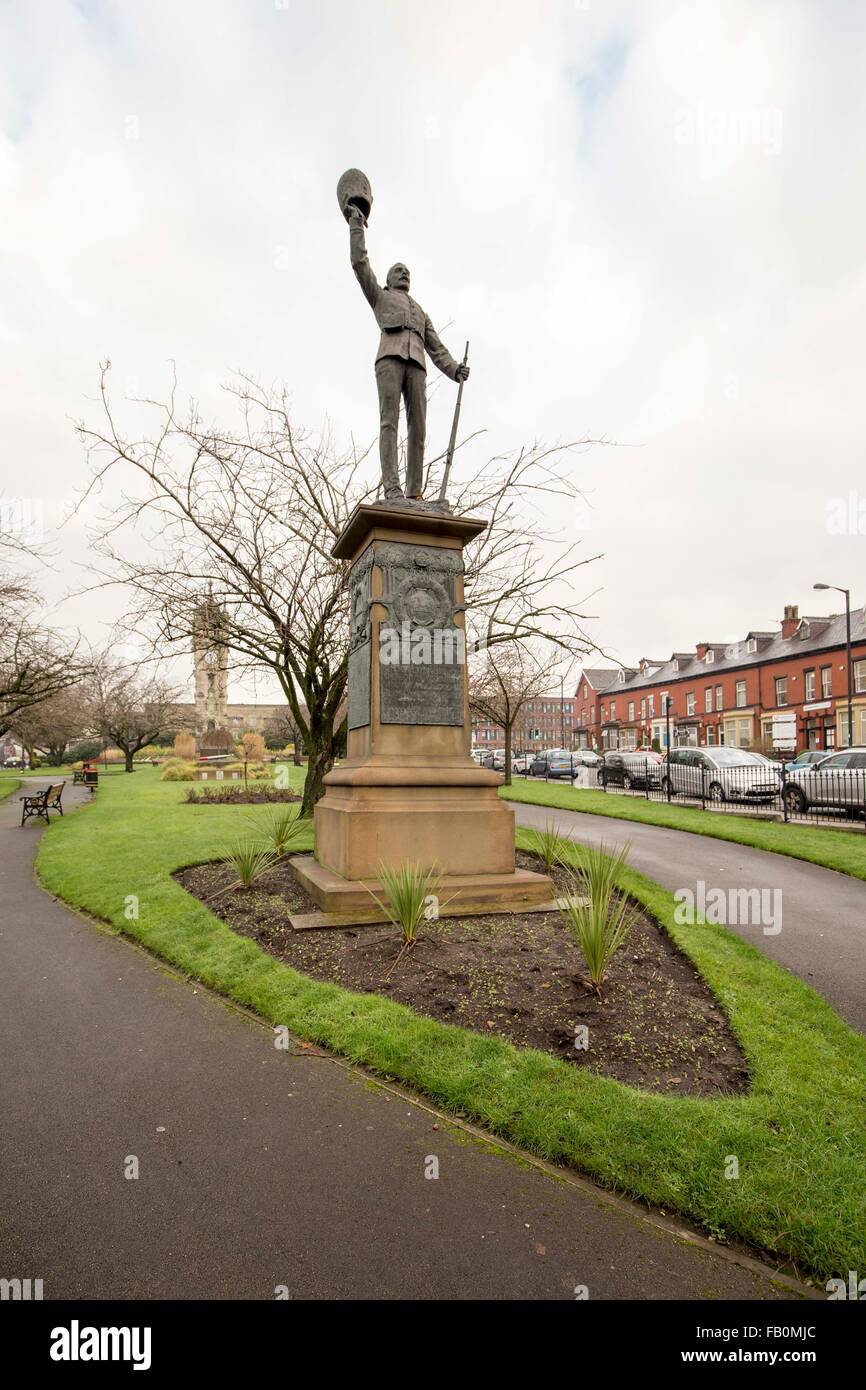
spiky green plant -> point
(406, 892)
(597, 915)
(549, 845)
(280, 830)
(249, 861)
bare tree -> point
(282, 727)
(130, 707)
(505, 679)
(253, 515)
(36, 661)
(51, 726)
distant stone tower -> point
(211, 661)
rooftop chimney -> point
(791, 619)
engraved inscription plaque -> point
(359, 686)
(422, 666)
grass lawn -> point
(7, 786)
(798, 1135)
(844, 850)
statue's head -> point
(398, 277)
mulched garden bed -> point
(239, 795)
(516, 976)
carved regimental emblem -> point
(419, 584)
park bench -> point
(40, 803)
(89, 776)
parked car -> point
(806, 759)
(838, 780)
(520, 762)
(552, 762)
(625, 768)
(721, 774)
(498, 763)
(483, 756)
(586, 757)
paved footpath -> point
(260, 1168)
(823, 936)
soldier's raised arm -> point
(358, 252)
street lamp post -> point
(668, 739)
(562, 711)
(848, 672)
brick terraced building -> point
(771, 689)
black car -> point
(626, 770)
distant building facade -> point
(778, 689)
(544, 722)
(211, 710)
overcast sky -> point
(646, 215)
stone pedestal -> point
(408, 790)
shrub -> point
(406, 892)
(281, 830)
(174, 771)
(598, 915)
(234, 792)
(251, 748)
(184, 747)
(548, 844)
(249, 861)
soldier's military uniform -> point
(401, 369)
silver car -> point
(838, 780)
(720, 774)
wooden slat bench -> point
(40, 803)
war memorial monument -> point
(409, 791)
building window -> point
(860, 677)
(752, 645)
(592, 713)
(652, 705)
(675, 665)
(612, 710)
(741, 695)
(643, 709)
(711, 736)
(826, 682)
(690, 702)
(631, 709)
(809, 677)
(781, 684)
(710, 657)
(719, 700)
(708, 700)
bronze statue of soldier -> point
(406, 336)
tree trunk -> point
(319, 764)
(508, 730)
(127, 758)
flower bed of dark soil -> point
(517, 976)
(239, 795)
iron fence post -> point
(784, 802)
